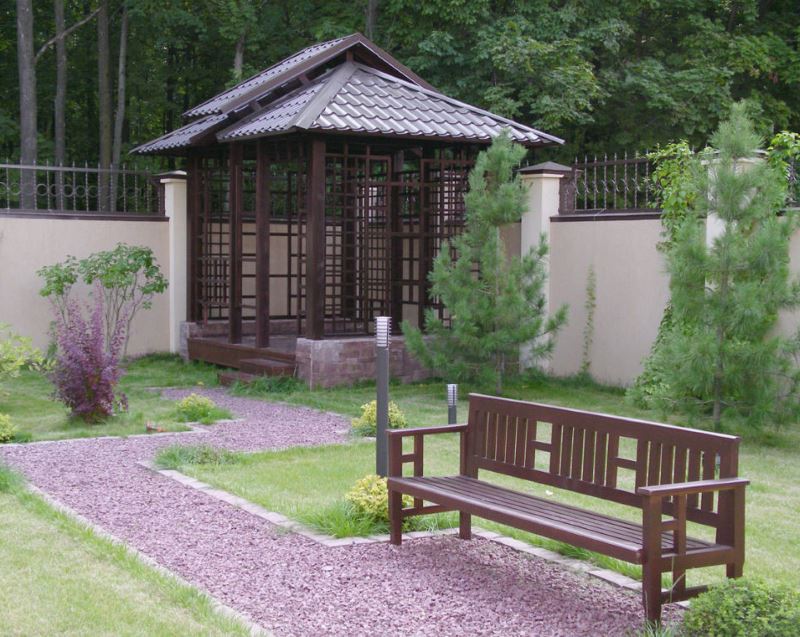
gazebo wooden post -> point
(315, 242)
(193, 239)
(396, 246)
(263, 213)
(235, 244)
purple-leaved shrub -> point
(86, 372)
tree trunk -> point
(238, 56)
(372, 18)
(26, 65)
(119, 116)
(60, 101)
(104, 103)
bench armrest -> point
(395, 439)
(690, 488)
(424, 431)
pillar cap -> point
(545, 167)
(172, 175)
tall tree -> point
(119, 113)
(495, 304)
(104, 100)
(722, 355)
(60, 101)
(26, 64)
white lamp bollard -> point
(383, 331)
(452, 403)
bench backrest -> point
(590, 452)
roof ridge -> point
(452, 100)
(327, 44)
(334, 84)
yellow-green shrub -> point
(196, 408)
(7, 429)
(369, 497)
(367, 423)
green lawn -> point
(303, 482)
(28, 400)
(59, 578)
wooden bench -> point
(661, 469)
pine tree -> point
(494, 303)
(724, 358)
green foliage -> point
(7, 429)
(366, 424)
(501, 306)
(670, 180)
(784, 154)
(720, 354)
(588, 330)
(268, 386)
(744, 608)
(197, 408)
(369, 498)
(9, 480)
(177, 456)
(129, 278)
(16, 353)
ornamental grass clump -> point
(87, 372)
(367, 423)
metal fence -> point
(624, 184)
(610, 184)
(77, 190)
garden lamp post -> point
(383, 329)
(452, 403)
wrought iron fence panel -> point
(77, 189)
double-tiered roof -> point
(347, 85)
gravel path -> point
(293, 586)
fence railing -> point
(623, 184)
(77, 190)
(609, 184)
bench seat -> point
(580, 527)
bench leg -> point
(396, 517)
(464, 526)
(735, 569)
(651, 592)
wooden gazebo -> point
(319, 192)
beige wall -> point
(632, 290)
(27, 244)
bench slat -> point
(552, 519)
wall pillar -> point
(175, 209)
(543, 182)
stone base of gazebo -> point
(320, 363)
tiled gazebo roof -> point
(343, 86)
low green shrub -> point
(744, 608)
(369, 498)
(177, 456)
(7, 429)
(196, 408)
(366, 424)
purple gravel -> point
(293, 586)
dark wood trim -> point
(607, 216)
(315, 242)
(70, 216)
(235, 245)
(263, 211)
(193, 243)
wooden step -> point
(231, 377)
(266, 367)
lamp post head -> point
(452, 395)
(383, 330)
